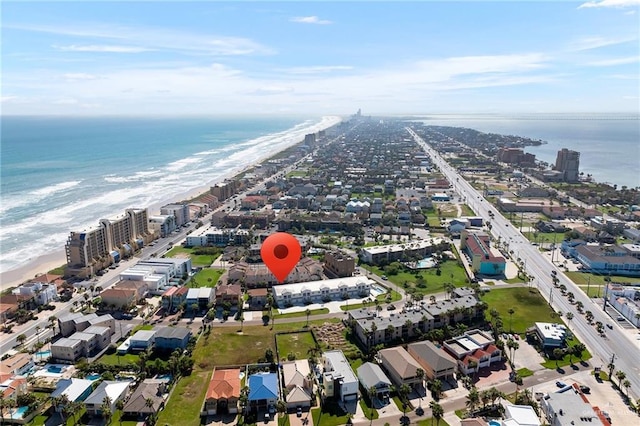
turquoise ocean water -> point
(64, 174)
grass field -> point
(566, 360)
(298, 344)
(196, 260)
(331, 415)
(450, 272)
(115, 359)
(183, 407)
(431, 422)
(206, 278)
(582, 278)
(528, 304)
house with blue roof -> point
(263, 390)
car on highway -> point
(384, 277)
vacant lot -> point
(203, 260)
(297, 344)
(206, 278)
(528, 305)
(183, 408)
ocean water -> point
(61, 174)
(609, 145)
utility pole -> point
(588, 284)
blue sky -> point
(153, 57)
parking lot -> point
(601, 395)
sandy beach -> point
(52, 260)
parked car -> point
(299, 412)
(585, 389)
(561, 384)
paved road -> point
(615, 345)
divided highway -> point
(615, 345)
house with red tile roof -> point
(223, 392)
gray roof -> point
(371, 375)
(172, 332)
(150, 388)
(433, 356)
(143, 335)
(70, 316)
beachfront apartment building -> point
(568, 162)
(162, 225)
(96, 248)
(473, 350)
(179, 211)
(338, 264)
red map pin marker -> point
(280, 252)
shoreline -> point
(45, 263)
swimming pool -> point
(43, 355)
(425, 263)
(164, 377)
(19, 412)
(376, 291)
(494, 423)
(55, 369)
(93, 376)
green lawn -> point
(203, 260)
(206, 278)
(183, 408)
(581, 278)
(225, 346)
(295, 343)
(115, 359)
(331, 415)
(366, 408)
(528, 304)
(450, 272)
(524, 372)
(430, 422)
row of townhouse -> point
(392, 252)
(373, 330)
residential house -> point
(75, 390)
(171, 338)
(298, 381)
(120, 298)
(401, 366)
(229, 293)
(263, 391)
(223, 392)
(18, 364)
(436, 363)
(142, 340)
(371, 377)
(147, 399)
(257, 298)
(338, 378)
(173, 298)
(113, 390)
(473, 350)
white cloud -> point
(616, 61)
(75, 76)
(630, 12)
(8, 98)
(151, 38)
(101, 48)
(609, 3)
(318, 69)
(271, 90)
(310, 20)
(596, 42)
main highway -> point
(614, 345)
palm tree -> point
(620, 375)
(307, 313)
(627, 385)
(372, 392)
(511, 312)
(149, 402)
(241, 319)
(403, 392)
(436, 412)
(557, 354)
(436, 388)
(420, 376)
(3, 404)
(569, 317)
(473, 398)
(105, 408)
(21, 338)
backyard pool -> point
(164, 377)
(93, 376)
(56, 369)
(19, 412)
(494, 423)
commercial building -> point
(571, 408)
(339, 380)
(551, 335)
(322, 291)
(476, 246)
